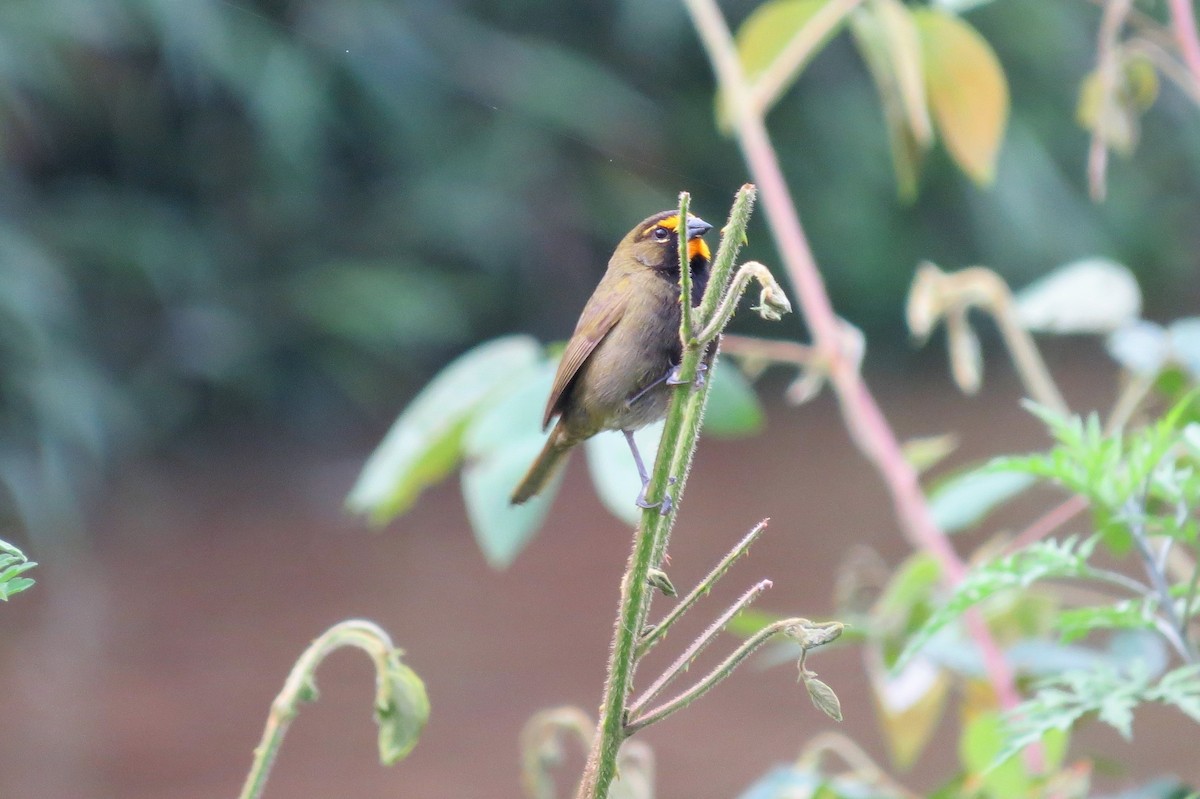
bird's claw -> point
(673, 378)
(664, 505)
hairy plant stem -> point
(710, 680)
(299, 686)
(864, 420)
(682, 663)
(678, 443)
(655, 633)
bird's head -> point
(655, 242)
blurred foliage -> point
(288, 213)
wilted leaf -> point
(967, 91)
(402, 710)
(1114, 112)
(887, 38)
(966, 355)
(964, 499)
(1092, 295)
(824, 698)
(614, 473)
(424, 444)
(733, 409)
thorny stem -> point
(676, 447)
(365, 635)
(653, 634)
(682, 663)
(864, 420)
(709, 681)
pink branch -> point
(1183, 22)
(864, 420)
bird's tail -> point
(545, 466)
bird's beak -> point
(697, 227)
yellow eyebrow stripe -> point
(670, 223)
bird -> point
(619, 364)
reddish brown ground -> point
(145, 668)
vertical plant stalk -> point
(863, 418)
(773, 82)
(1183, 24)
(1111, 22)
(678, 443)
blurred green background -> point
(283, 216)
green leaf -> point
(967, 91)
(614, 474)
(502, 529)
(981, 743)
(1040, 561)
(401, 710)
(1129, 614)
(424, 444)
(1112, 694)
(774, 31)
(500, 444)
(12, 564)
(963, 500)
(733, 409)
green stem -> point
(652, 635)
(299, 687)
(710, 681)
(679, 437)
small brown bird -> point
(617, 368)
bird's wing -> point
(602, 311)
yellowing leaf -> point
(1114, 112)
(967, 91)
(910, 705)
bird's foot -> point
(664, 505)
(673, 378)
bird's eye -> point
(661, 234)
